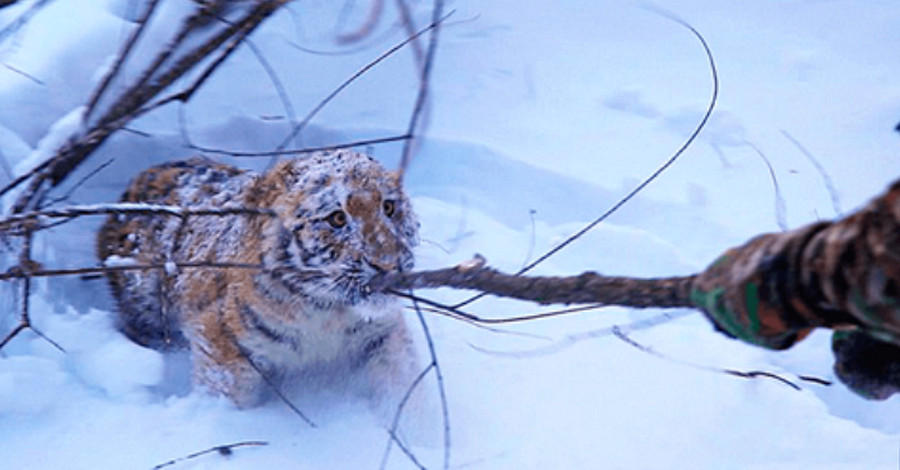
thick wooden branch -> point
(586, 288)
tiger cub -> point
(339, 218)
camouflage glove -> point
(751, 292)
(843, 275)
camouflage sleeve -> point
(843, 275)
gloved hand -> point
(866, 365)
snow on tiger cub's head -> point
(343, 219)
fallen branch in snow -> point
(223, 450)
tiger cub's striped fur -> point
(339, 219)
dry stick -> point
(156, 78)
(347, 51)
(26, 263)
(22, 19)
(826, 178)
(81, 182)
(272, 385)
(276, 83)
(275, 153)
(127, 208)
(344, 14)
(25, 74)
(224, 450)
(499, 331)
(410, 26)
(437, 17)
(753, 374)
(588, 287)
(458, 314)
(395, 423)
(640, 187)
(576, 338)
(20, 274)
(281, 149)
(780, 204)
(367, 27)
(122, 58)
(70, 156)
(185, 95)
(25, 177)
(439, 376)
(297, 129)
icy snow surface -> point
(544, 114)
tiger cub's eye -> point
(389, 206)
(337, 219)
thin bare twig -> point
(127, 208)
(81, 182)
(21, 326)
(281, 149)
(826, 178)
(276, 83)
(752, 374)
(367, 27)
(395, 423)
(26, 263)
(415, 120)
(456, 313)
(445, 411)
(272, 385)
(17, 273)
(127, 47)
(640, 187)
(576, 338)
(409, 24)
(780, 204)
(22, 19)
(25, 177)
(164, 69)
(25, 74)
(186, 94)
(275, 153)
(362, 71)
(224, 450)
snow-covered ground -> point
(544, 114)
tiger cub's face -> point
(342, 219)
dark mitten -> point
(866, 365)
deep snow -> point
(544, 114)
